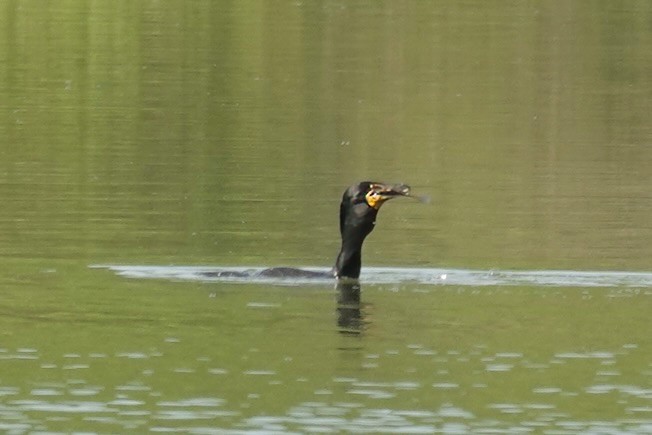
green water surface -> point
(224, 132)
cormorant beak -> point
(379, 193)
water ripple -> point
(394, 275)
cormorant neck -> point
(348, 263)
(349, 260)
(357, 220)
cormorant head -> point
(373, 193)
(358, 210)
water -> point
(170, 138)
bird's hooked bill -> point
(403, 190)
(379, 193)
(392, 190)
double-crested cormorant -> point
(358, 211)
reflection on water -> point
(350, 318)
